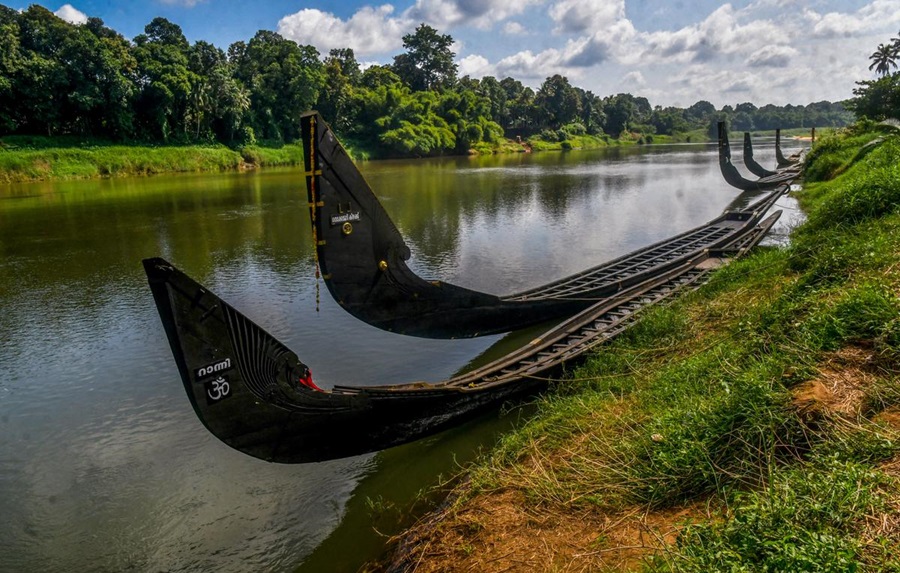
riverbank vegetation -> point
(29, 164)
(87, 82)
(753, 425)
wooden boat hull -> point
(362, 258)
(244, 386)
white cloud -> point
(878, 15)
(475, 66)
(482, 14)
(720, 35)
(71, 15)
(577, 16)
(772, 56)
(185, 3)
(514, 29)
(635, 79)
(587, 53)
(526, 65)
(368, 31)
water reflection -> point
(104, 466)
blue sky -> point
(674, 52)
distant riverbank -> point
(67, 158)
(20, 164)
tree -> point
(164, 80)
(428, 62)
(699, 113)
(558, 102)
(341, 75)
(623, 111)
(519, 105)
(102, 85)
(218, 100)
(878, 99)
(669, 120)
(491, 89)
(345, 59)
(284, 80)
(12, 61)
(592, 116)
(884, 58)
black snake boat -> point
(750, 163)
(780, 159)
(254, 394)
(362, 258)
(735, 179)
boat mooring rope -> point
(313, 202)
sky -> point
(673, 52)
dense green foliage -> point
(88, 81)
(880, 99)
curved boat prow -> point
(244, 385)
(735, 179)
(751, 164)
(779, 156)
(254, 394)
(362, 255)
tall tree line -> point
(57, 78)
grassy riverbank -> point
(26, 158)
(753, 425)
(39, 159)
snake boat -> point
(363, 259)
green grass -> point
(697, 401)
(808, 518)
(30, 159)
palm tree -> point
(884, 58)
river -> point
(103, 464)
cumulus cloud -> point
(478, 13)
(526, 65)
(721, 34)
(514, 29)
(635, 79)
(772, 57)
(877, 15)
(72, 15)
(585, 54)
(577, 16)
(368, 31)
(475, 66)
(763, 52)
(185, 3)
